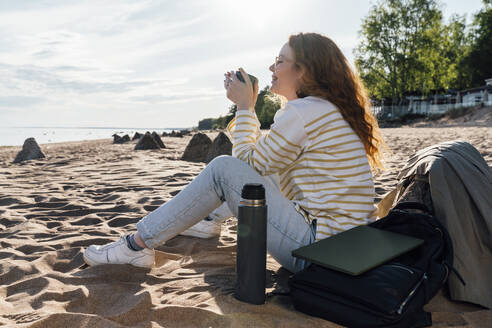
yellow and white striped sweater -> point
(320, 160)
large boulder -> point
(158, 139)
(221, 145)
(119, 140)
(147, 142)
(197, 149)
(176, 134)
(137, 136)
(30, 150)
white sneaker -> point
(118, 253)
(221, 213)
(206, 228)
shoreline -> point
(62, 142)
(16, 136)
(414, 125)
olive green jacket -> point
(461, 189)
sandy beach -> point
(91, 192)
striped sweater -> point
(320, 161)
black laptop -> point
(357, 250)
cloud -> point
(68, 68)
(52, 81)
(20, 101)
(48, 80)
(19, 5)
(179, 97)
(44, 54)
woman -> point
(322, 146)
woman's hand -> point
(244, 95)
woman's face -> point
(285, 78)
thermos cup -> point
(251, 245)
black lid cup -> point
(253, 191)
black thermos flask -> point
(251, 245)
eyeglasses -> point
(279, 60)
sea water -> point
(15, 136)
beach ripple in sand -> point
(90, 192)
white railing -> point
(394, 111)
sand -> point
(91, 192)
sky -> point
(152, 63)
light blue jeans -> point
(222, 181)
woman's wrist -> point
(245, 109)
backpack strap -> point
(453, 269)
(412, 205)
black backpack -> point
(391, 295)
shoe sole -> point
(91, 263)
(199, 234)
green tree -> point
(205, 124)
(261, 100)
(478, 61)
(397, 53)
(231, 114)
(439, 61)
(270, 106)
(266, 107)
(458, 49)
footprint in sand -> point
(176, 184)
(29, 249)
(52, 225)
(150, 208)
(143, 200)
(8, 201)
(7, 223)
(42, 205)
(157, 201)
(174, 192)
(30, 286)
(179, 175)
(22, 317)
(122, 221)
(89, 221)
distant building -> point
(436, 104)
(478, 95)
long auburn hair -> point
(327, 75)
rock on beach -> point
(30, 150)
(120, 140)
(158, 140)
(198, 148)
(221, 145)
(137, 136)
(147, 142)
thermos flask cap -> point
(253, 191)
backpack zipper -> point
(405, 301)
(401, 267)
